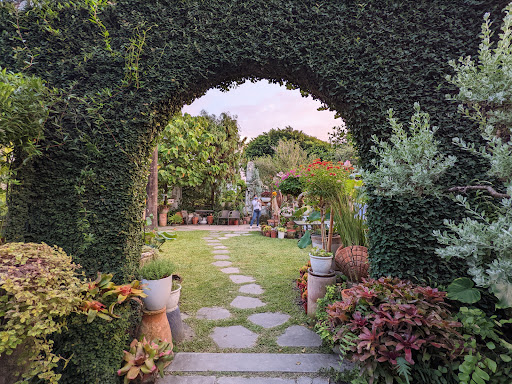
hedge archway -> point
(124, 66)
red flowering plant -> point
(397, 332)
(322, 181)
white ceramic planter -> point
(320, 265)
(174, 298)
(281, 235)
(158, 292)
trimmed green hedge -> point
(86, 192)
(96, 349)
(401, 240)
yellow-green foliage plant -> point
(38, 288)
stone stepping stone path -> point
(234, 337)
(252, 289)
(239, 337)
(241, 279)
(213, 313)
(299, 336)
(222, 263)
(244, 302)
(269, 319)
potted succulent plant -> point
(157, 276)
(321, 261)
(144, 360)
(281, 231)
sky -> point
(262, 106)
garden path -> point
(247, 368)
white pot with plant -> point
(281, 232)
(321, 261)
(157, 276)
(174, 296)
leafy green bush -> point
(38, 288)
(411, 164)
(322, 325)
(96, 349)
(157, 269)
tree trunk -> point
(152, 191)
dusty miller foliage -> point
(410, 163)
(486, 97)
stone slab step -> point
(239, 380)
(252, 362)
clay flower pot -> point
(195, 220)
(155, 325)
(209, 219)
(290, 233)
(273, 234)
(353, 262)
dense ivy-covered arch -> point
(124, 66)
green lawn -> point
(274, 264)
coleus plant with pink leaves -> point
(389, 327)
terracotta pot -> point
(155, 325)
(267, 233)
(162, 219)
(273, 234)
(195, 220)
(209, 219)
(353, 262)
(290, 233)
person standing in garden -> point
(256, 211)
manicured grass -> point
(273, 263)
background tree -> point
(223, 164)
(184, 151)
(288, 155)
(266, 143)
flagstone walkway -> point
(247, 368)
